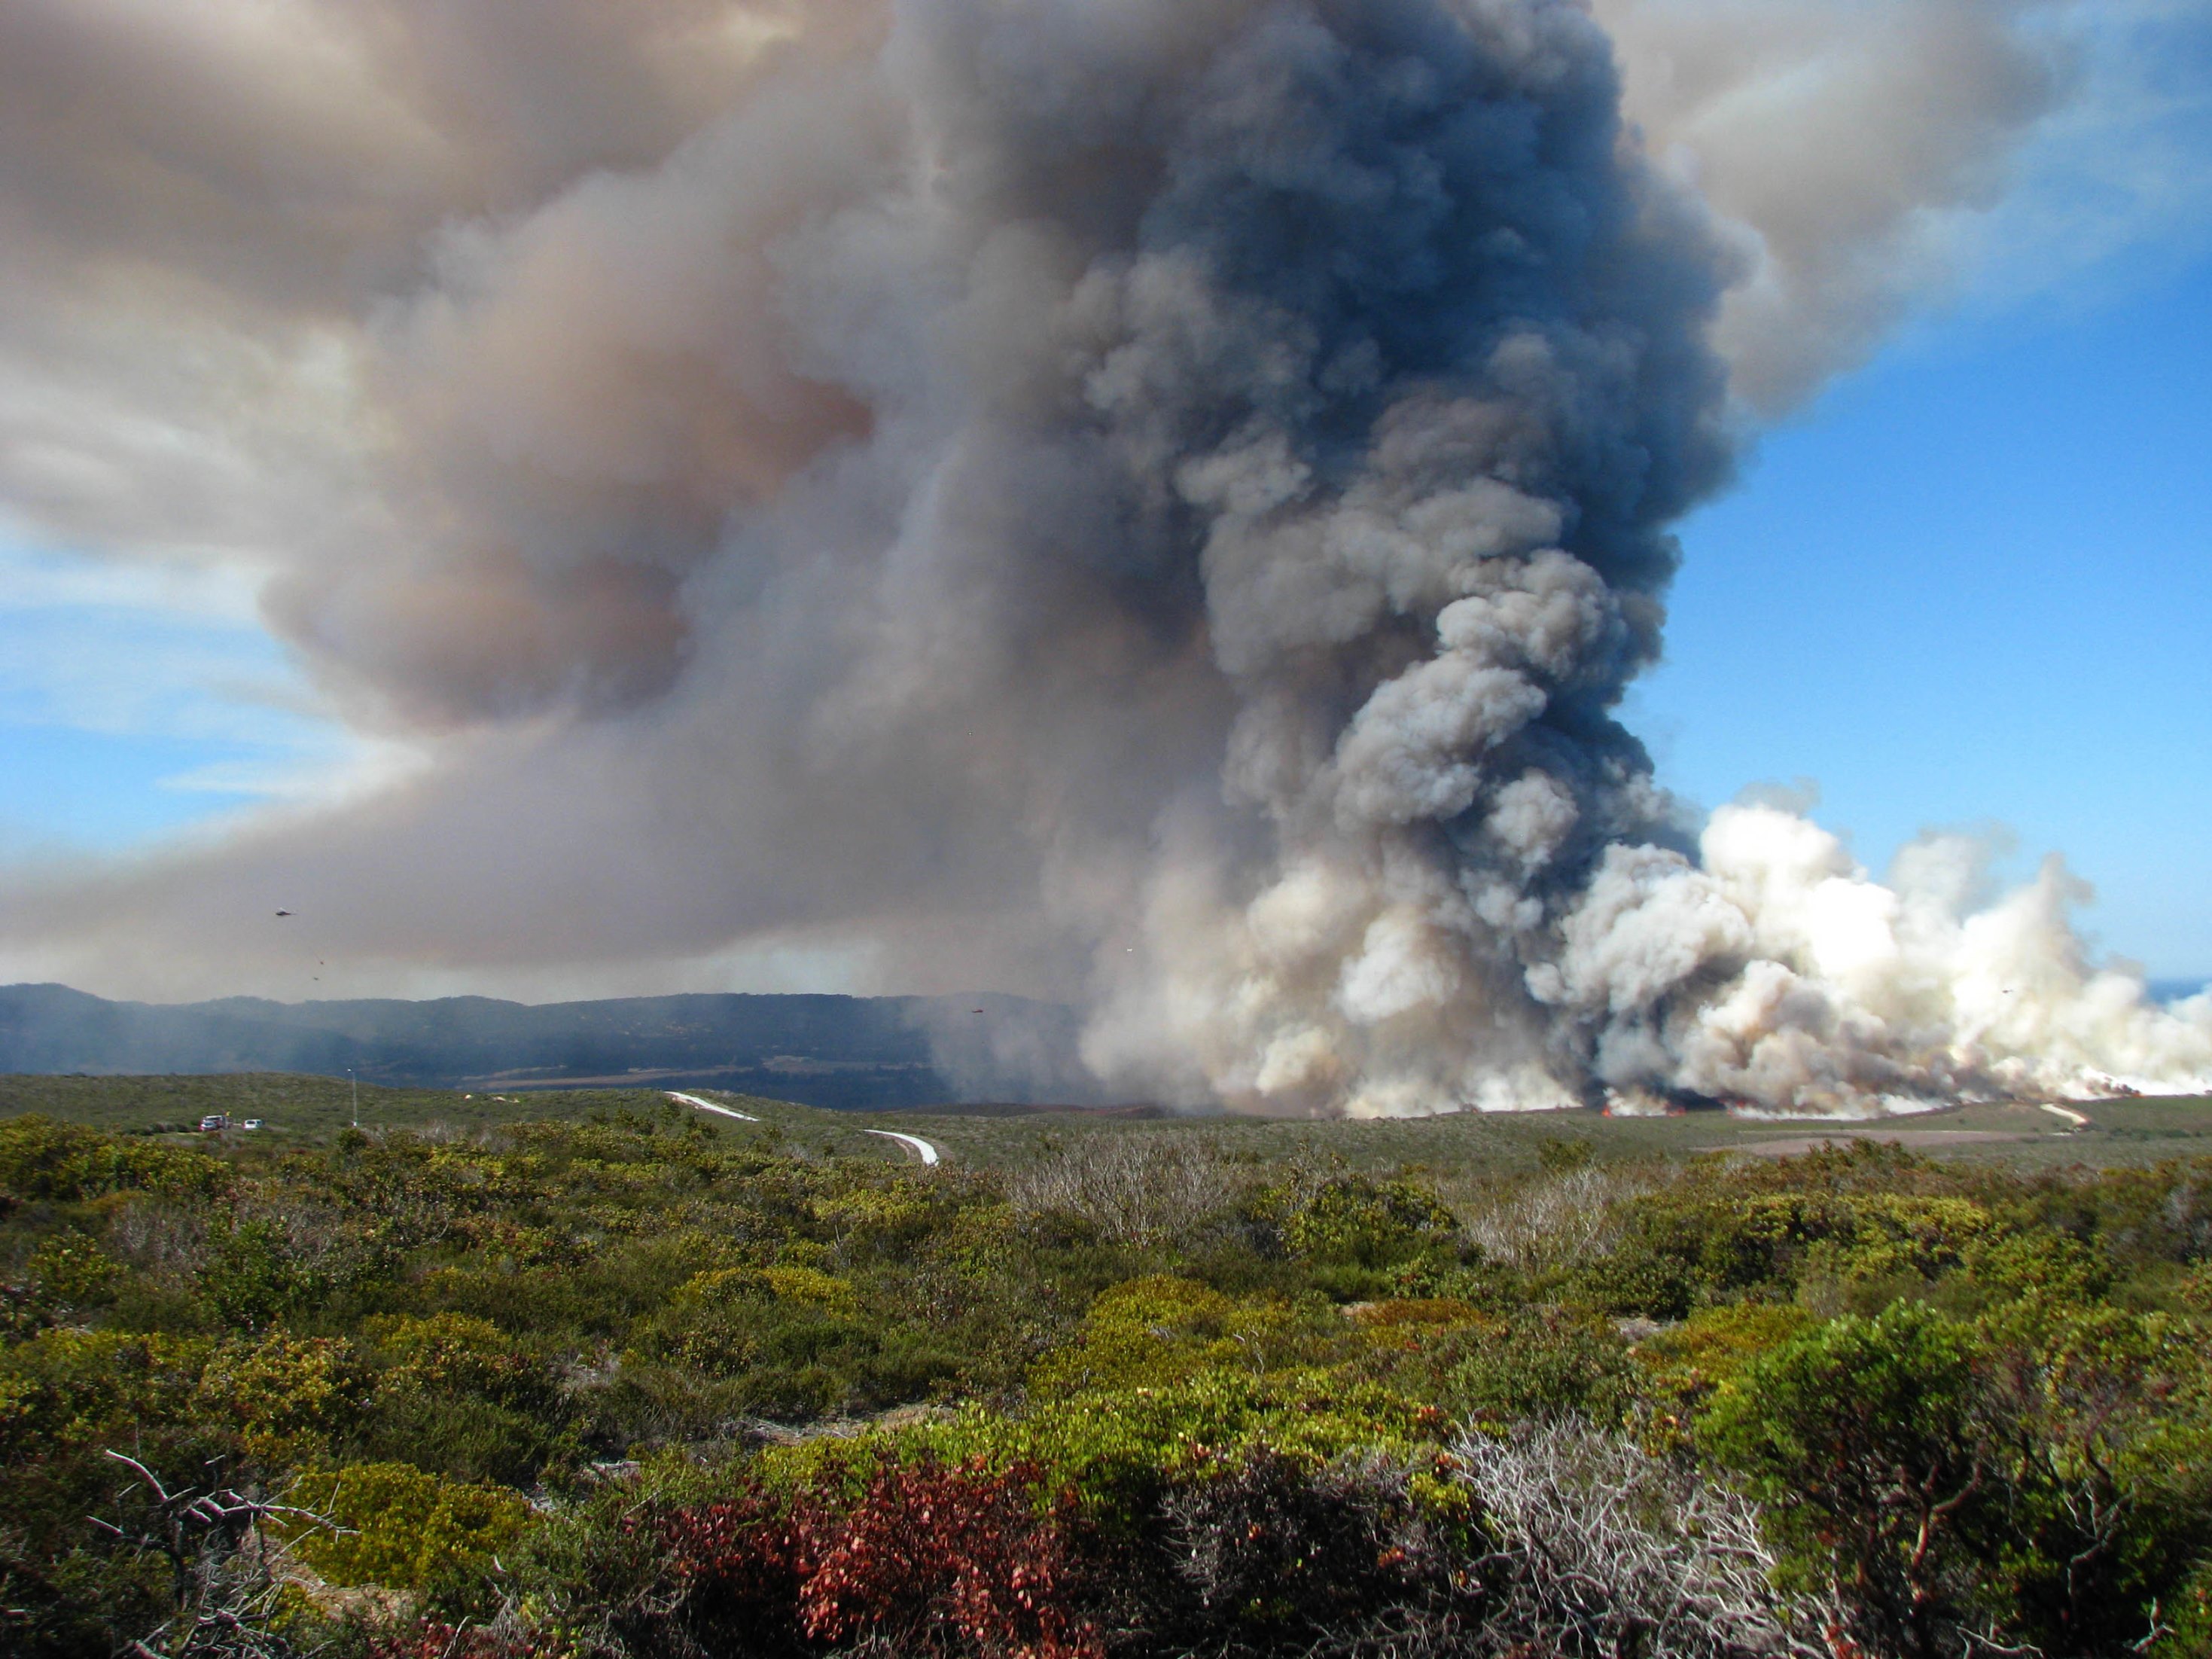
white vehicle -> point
(250, 1123)
(213, 1123)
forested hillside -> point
(650, 1385)
(840, 1051)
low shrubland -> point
(647, 1387)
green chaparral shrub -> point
(1866, 1436)
(253, 1278)
(785, 1342)
(868, 1222)
(72, 1275)
(2047, 1266)
(1151, 1332)
(79, 1388)
(63, 1163)
(2100, 1436)
(79, 1601)
(1404, 1321)
(1681, 1249)
(66, 1398)
(1117, 1449)
(1536, 1362)
(1349, 1229)
(2187, 1617)
(1686, 1362)
(285, 1398)
(458, 1396)
(399, 1527)
(2139, 1217)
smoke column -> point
(1187, 481)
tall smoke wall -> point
(1159, 499)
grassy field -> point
(1443, 1150)
(1450, 1152)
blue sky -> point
(1973, 585)
(139, 702)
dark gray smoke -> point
(1397, 374)
(1157, 500)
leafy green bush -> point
(401, 1529)
(1863, 1433)
(1694, 1247)
(1713, 1346)
(85, 1389)
(2043, 1265)
(1118, 1449)
(63, 1163)
(1351, 1221)
(1540, 1363)
(2099, 1432)
(790, 1341)
(285, 1397)
(254, 1277)
(1152, 1332)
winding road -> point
(927, 1152)
(709, 1106)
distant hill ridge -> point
(823, 1050)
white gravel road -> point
(709, 1106)
(928, 1152)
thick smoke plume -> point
(1159, 497)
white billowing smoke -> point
(1166, 492)
(1824, 990)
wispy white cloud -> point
(164, 656)
(2113, 190)
(35, 578)
(328, 769)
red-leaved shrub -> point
(739, 1568)
(947, 1560)
(931, 1559)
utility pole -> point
(355, 1081)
